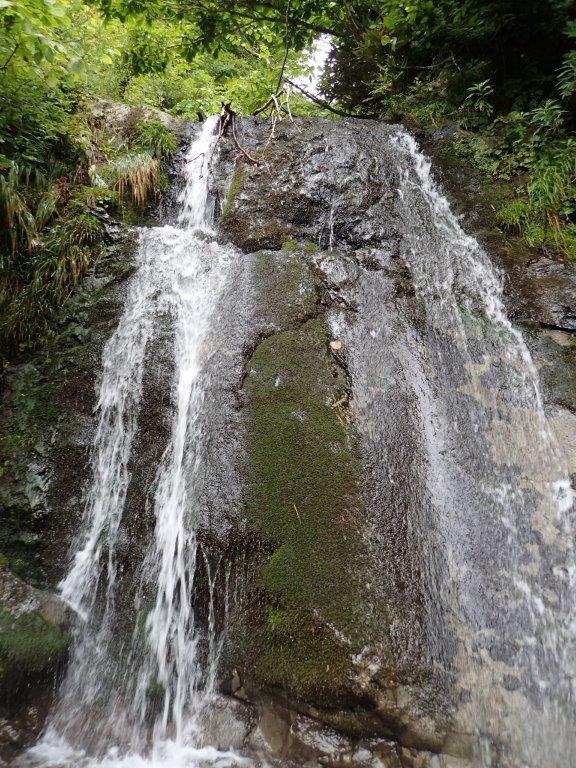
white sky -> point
(315, 57)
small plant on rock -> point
(153, 137)
(136, 177)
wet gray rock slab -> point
(539, 286)
(121, 117)
(550, 285)
(432, 400)
(295, 191)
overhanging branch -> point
(326, 105)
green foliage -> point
(32, 289)
(543, 213)
(548, 118)
(192, 89)
(43, 251)
(49, 237)
(86, 198)
(17, 220)
(503, 71)
(80, 230)
(29, 33)
(515, 49)
(238, 27)
(35, 122)
(479, 99)
(567, 76)
(152, 136)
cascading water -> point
(500, 486)
(138, 701)
(469, 493)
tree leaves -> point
(30, 33)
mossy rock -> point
(304, 657)
(30, 647)
(304, 472)
(233, 190)
(303, 502)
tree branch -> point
(243, 13)
(9, 59)
(326, 105)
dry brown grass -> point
(136, 176)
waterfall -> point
(465, 508)
(470, 496)
(511, 603)
(139, 680)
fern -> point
(567, 76)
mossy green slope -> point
(303, 473)
(303, 502)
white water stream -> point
(137, 701)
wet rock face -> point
(296, 191)
(539, 288)
(47, 426)
(339, 633)
(407, 319)
(538, 285)
(550, 284)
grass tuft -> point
(152, 136)
(135, 176)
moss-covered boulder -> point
(34, 634)
(34, 639)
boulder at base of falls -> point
(34, 639)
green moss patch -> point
(303, 502)
(303, 657)
(235, 187)
(302, 491)
(289, 245)
(29, 646)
